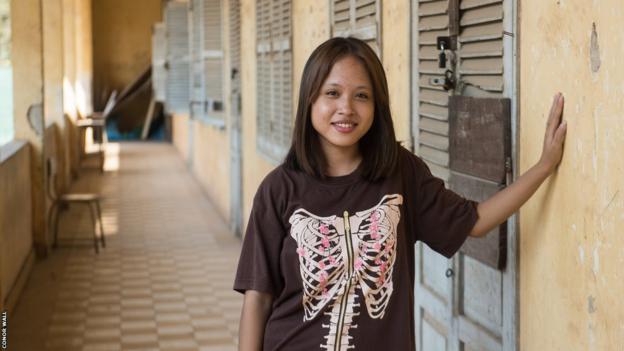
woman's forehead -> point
(348, 71)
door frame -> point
(510, 301)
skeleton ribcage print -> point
(341, 255)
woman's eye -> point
(362, 96)
(332, 93)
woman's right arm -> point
(256, 310)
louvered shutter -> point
(178, 60)
(159, 58)
(235, 45)
(281, 80)
(357, 18)
(274, 82)
(197, 65)
(479, 69)
(213, 58)
(432, 138)
(263, 47)
(480, 63)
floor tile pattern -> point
(162, 283)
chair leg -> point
(99, 213)
(57, 214)
(95, 238)
(51, 215)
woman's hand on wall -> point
(555, 136)
(499, 207)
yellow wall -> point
(78, 72)
(255, 167)
(571, 257)
(26, 54)
(122, 41)
(180, 135)
(211, 164)
(53, 75)
(396, 61)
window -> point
(207, 61)
(177, 86)
(6, 75)
(274, 77)
(357, 18)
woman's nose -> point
(345, 105)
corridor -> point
(164, 280)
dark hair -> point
(378, 146)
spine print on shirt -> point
(341, 255)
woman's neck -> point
(342, 164)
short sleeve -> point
(444, 219)
(259, 266)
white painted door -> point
(461, 303)
(236, 149)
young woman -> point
(328, 256)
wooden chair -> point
(91, 200)
(97, 123)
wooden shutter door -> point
(236, 218)
(263, 75)
(357, 18)
(281, 79)
(197, 67)
(459, 302)
(178, 62)
(274, 80)
(213, 57)
(235, 45)
(159, 58)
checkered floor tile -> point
(162, 283)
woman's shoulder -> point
(409, 161)
(278, 182)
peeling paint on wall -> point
(591, 304)
(594, 50)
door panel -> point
(482, 294)
(432, 336)
(433, 272)
(466, 308)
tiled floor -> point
(162, 283)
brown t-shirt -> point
(338, 255)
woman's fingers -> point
(561, 133)
(554, 118)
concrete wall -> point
(122, 33)
(571, 257)
(16, 224)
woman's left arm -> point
(503, 204)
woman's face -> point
(344, 109)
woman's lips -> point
(344, 127)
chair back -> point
(51, 171)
